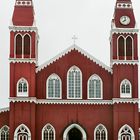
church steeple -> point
(124, 15)
(23, 13)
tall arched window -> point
(126, 133)
(100, 132)
(121, 46)
(95, 87)
(54, 86)
(125, 89)
(74, 83)
(48, 132)
(27, 44)
(22, 88)
(18, 44)
(4, 133)
(129, 46)
(22, 132)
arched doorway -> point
(74, 132)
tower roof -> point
(23, 13)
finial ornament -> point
(74, 39)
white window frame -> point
(125, 38)
(4, 131)
(68, 83)
(56, 76)
(125, 95)
(131, 130)
(97, 128)
(44, 128)
(22, 94)
(96, 77)
(22, 36)
(17, 129)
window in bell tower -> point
(129, 47)
(121, 46)
(18, 40)
(27, 44)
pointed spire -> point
(23, 13)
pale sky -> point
(57, 22)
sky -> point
(57, 22)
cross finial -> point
(74, 39)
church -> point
(73, 96)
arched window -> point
(129, 46)
(22, 132)
(18, 41)
(126, 133)
(100, 132)
(95, 87)
(4, 133)
(54, 86)
(22, 88)
(74, 83)
(125, 89)
(27, 44)
(48, 132)
(121, 46)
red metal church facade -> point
(65, 99)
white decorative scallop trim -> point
(4, 110)
(74, 47)
(125, 62)
(81, 102)
(124, 30)
(23, 3)
(123, 5)
(120, 100)
(23, 99)
(24, 60)
(23, 29)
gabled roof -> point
(65, 52)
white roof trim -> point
(125, 62)
(74, 47)
(4, 109)
(124, 30)
(23, 28)
(24, 60)
(82, 102)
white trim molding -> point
(81, 102)
(124, 5)
(124, 30)
(125, 62)
(125, 100)
(23, 29)
(23, 3)
(65, 134)
(74, 47)
(2, 110)
(24, 60)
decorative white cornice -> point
(124, 100)
(125, 62)
(124, 5)
(25, 60)
(4, 110)
(124, 30)
(81, 102)
(74, 47)
(23, 29)
(23, 99)
(23, 3)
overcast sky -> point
(57, 22)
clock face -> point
(125, 20)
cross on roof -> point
(74, 39)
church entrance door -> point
(74, 134)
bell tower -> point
(124, 63)
(23, 61)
